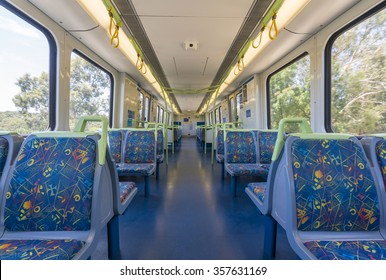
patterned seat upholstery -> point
(53, 189)
(4, 146)
(335, 210)
(139, 155)
(241, 156)
(115, 144)
(380, 151)
(220, 146)
(9, 147)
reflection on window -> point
(290, 92)
(239, 99)
(24, 72)
(358, 78)
(90, 90)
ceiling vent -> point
(191, 45)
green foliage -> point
(290, 94)
(358, 90)
(89, 95)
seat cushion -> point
(125, 189)
(258, 189)
(239, 169)
(127, 169)
(39, 249)
(347, 250)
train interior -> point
(181, 119)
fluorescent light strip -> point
(289, 10)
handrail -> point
(102, 142)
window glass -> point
(239, 98)
(147, 107)
(220, 114)
(289, 91)
(232, 111)
(358, 78)
(90, 90)
(24, 72)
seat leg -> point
(233, 185)
(270, 231)
(157, 172)
(114, 252)
(147, 185)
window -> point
(90, 90)
(232, 111)
(220, 114)
(289, 91)
(158, 112)
(28, 73)
(216, 115)
(162, 116)
(140, 109)
(147, 107)
(355, 73)
(239, 99)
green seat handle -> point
(304, 127)
(102, 142)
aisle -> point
(191, 214)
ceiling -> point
(216, 26)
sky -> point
(22, 44)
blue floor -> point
(192, 215)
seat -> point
(375, 148)
(335, 206)
(56, 202)
(10, 144)
(241, 155)
(115, 138)
(261, 193)
(139, 155)
(160, 149)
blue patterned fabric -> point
(220, 142)
(236, 169)
(381, 157)
(160, 143)
(334, 188)
(240, 147)
(258, 189)
(127, 169)
(39, 249)
(139, 147)
(125, 189)
(115, 144)
(348, 250)
(52, 185)
(220, 158)
(4, 147)
(266, 143)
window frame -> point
(52, 64)
(268, 88)
(328, 62)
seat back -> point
(52, 185)
(375, 148)
(240, 147)
(220, 142)
(266, 140)
(139, 146)
(332, 188)
(160, 142)
(9, 147)
(115, 138)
